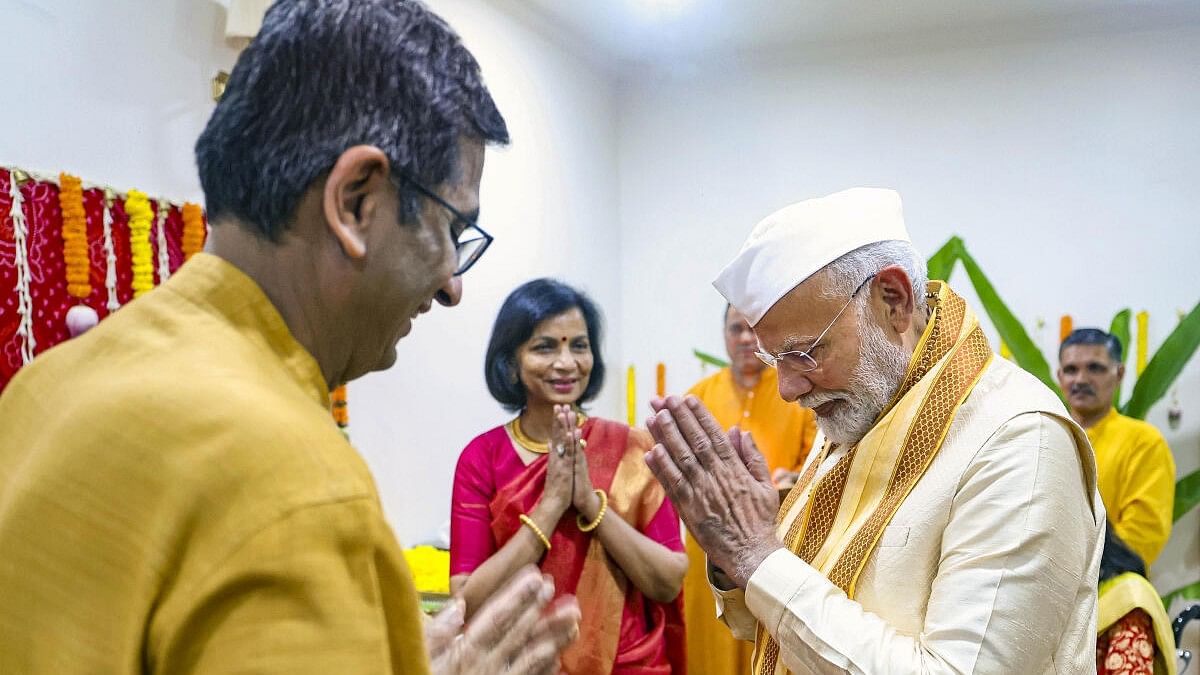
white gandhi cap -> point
(795, 242)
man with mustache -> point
(743, 395)
(1135, 466)
(949, 524)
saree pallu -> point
(621, 631)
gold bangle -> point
(536, 530)
(588, 527)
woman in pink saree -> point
(568, 492)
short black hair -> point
(1117, 557)
(1093, 336)
(325, 75)
(530, 304)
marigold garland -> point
(339, 407)
(141, 218)
(74, 235)
(194, 230)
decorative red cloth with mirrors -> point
(83, 264)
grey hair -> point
(845, 274)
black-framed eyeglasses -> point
(803, 361)
(470, 242)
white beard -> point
(881, 368)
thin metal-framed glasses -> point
(471, 242)
(803, 361)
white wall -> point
(1068, 166)
(114, 92)
(550, 201)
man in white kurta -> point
(951, 523)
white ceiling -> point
(632, 33)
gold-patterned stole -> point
(953, 353)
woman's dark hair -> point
(532, 303)
(1118, 558)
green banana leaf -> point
(1120, 330)
(710, 359)
(1187, 494)
(1024, 351)
(941, 264)
(1165, 366)
(1189, 592)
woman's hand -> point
(556, 497)
(565, 434)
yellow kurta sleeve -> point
(302, 595)
(1145, 517)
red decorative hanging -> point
(45, 242)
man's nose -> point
(793, 385)
(450, 294)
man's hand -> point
(718, 483)
(513, 632)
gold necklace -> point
(522, 439)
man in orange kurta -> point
(744, 394)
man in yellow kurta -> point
(174, 496)
(744, 394)
(1137, 470)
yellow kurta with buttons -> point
(1137, 481)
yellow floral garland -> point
(141, 217)
(74, 235)
(193, 230)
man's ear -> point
(896, 291)
(352, 195)
(1120, 371)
